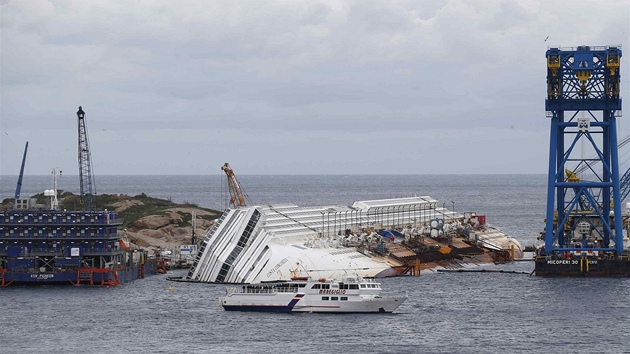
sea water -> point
(445, 312)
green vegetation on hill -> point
(139, 206)
(155, 206)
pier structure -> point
(583, 231)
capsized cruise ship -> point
(279, 242)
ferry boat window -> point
(354, 286)
(334, 298)
(317, 286)
(343, 286)
(344, 298)
(325, 286)
(325, 298)
(363, 286)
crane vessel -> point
(586, 231)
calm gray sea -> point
(445, 312)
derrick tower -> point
(237, 196)
(85, 164)
(583, 104)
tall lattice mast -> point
(85, 165)
(583, 104)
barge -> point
(42, 245)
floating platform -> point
(67, 247)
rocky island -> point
(150, 223)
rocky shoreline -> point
(164, 231)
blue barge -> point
(40, 246)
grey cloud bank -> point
(299, 87)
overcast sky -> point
(289, 87)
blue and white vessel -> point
(347, 295)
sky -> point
(289, 87)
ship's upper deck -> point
(47, 224)
(290, 219)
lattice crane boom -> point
(237, 196)
(85, 165)
(19, 182)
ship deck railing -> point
(63, 253)
(60, 222)
(14, 237)
(261, 289)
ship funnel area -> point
(583, 231)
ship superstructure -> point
(266, 243)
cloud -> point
(285, 69)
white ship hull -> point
(307, 298)
(260, 244)
(305, 303)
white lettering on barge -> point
(569, 261)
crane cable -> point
(585, 167)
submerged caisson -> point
(348, 295)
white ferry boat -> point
(349, 295)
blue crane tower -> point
(583, 231)
(85, 165)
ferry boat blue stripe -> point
(257, 308)
(266, 308)
(294, 301)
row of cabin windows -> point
(369, 286)
(346, 286)
(239, 247)
(321, 286)
(349, 286)
(334, 298)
